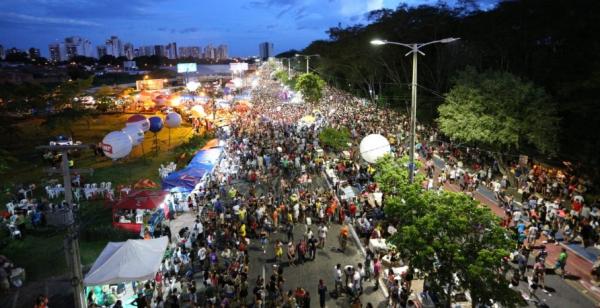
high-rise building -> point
(265, 50)
(2, 53)
(77, 46)
(101, 51)
(145, 51)
(189, 52)
(114, 47)
(210, 52)
(34, 53)
(222, 52)
(13, 50)
(58, 52)
(171, 50)
(159, 50)
(128, 51)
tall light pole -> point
(307, 57)
(414, 50)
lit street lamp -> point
(414, 50)
(307, 59)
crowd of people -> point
(278, 186)
(279, 161)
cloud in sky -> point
(241, 24)
(44, 20)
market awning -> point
(133, 260)
(142, 199)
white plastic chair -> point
(14, 232)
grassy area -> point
(41, 251)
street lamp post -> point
(289, 61)
(414, 50)
(307, 57)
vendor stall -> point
(201, 165)
(121, 263)
(137, 208)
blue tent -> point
(206, 159)
(202, 163)
(186, 179)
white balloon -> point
(135, 133)
(142, 122)
(373, 147)
(116, 145)
(173, 120)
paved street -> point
(308, 274)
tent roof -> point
(186, 178)
(142, 199)
(132, 260)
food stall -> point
(137, 208)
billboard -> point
(186, 67)
(238, 67)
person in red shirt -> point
(352, 211)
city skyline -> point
(289, 24)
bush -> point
(106, 232)
(336, 139)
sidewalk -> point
(578, 268)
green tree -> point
(336, 139)
(64, 95)
(501, 112)
(458, 245)
(404, 201)
(452, 239)
(311, 87)
(282, 76)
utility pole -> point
(413, 116)
(307, 66)
(414, 50)
(71, 242)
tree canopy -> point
(547, 42)
(448, 236)
(500, 111)
(336, 139)
(311, 87)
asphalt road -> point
(307, 275)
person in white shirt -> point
(337, 274)
(322, 235)
(362, 274)
(202, 254)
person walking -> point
(278, 251)
(376, 271)
(322, 235)
(322, 293)
(291, 254)
(561, 262)
(338, 286)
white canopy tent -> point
(132, 260)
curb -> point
(361, 247)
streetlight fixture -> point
(307, 57)
(414, 50)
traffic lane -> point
(307, 275)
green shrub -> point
(336, 139)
